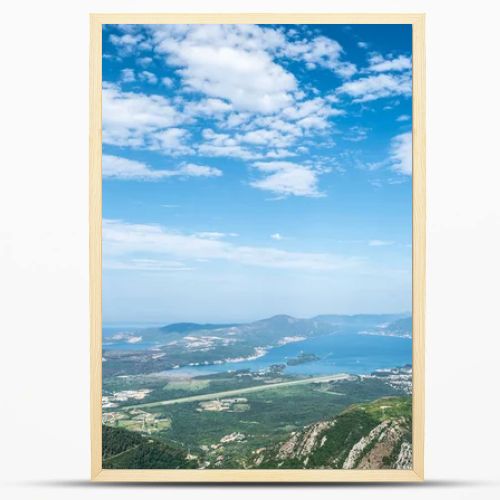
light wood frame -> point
(256, 476)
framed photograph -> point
(257, 247)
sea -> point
(350, 351)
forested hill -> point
(374, 435)
(122, 449)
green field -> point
(248, 418)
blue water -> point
(350, 353)
(123, 345)
(338, 353)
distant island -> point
(301, 359)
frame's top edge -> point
(271, 17)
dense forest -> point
(122, 449)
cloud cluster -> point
(232, 62)
(387, 77)
(125, 243)
(115, 167)
(285, 178)
(401, 153)
(236, 97)
(131, 119)
(379, 63)
(377, 86)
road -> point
(237, 392)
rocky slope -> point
(374, 435)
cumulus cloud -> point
(128, 42)
(127, 75)
(245, 89)
(312, 113)
(130, 118)
(231, 62)
(115, 167)
(401, 153)
(377, 86)
(208, 107)
(378, 63)
(147, 76)
(320, 51)
(123, 241)
(286, 178)
(170, 141)
(224, 145)
(168, 82)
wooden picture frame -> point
(418, 231)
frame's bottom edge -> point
(236, 476)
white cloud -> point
(171, 141)
(208, 107)
(276, 236)
(239, 63)
(356, 134)
(401, 153)
(378, 63)
(144, 61)
(127, 75)
(115, 167)
(229, 62)
(168, 82)
(123, 242)
(123, 168)
(380, 243)
(267, 137)
(224, 145)
(377, 86)
(129, 43)
(129, 118)
(403, 118)
(215, 235)
(320, 51)
(312, 113)
(286, 178)
(247, 90)
(151, 265)
(362, 45)
(332, 98)
(193, 170)
(280, 153)
(147, 76)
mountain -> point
(375, 435)
(358, 320)
(123, 449)
(181, 344)
(403, 326)
(191, 327)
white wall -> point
(44, 445)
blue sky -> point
(255, 170)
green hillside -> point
(122, 449)
(375, 435)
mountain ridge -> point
(374, 435)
